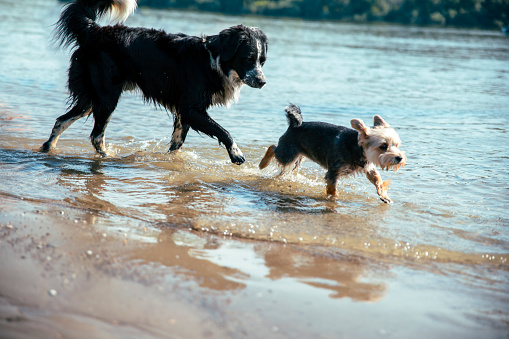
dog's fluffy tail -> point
(293, 115)
(77, 21)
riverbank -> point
(492, 14)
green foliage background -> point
(466, 13)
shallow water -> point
(444, 90)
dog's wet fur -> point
(184, 74)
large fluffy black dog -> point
(184, 74)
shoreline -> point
(64, 274)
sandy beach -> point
(65, 279)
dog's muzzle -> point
(255, 78)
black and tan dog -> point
(340, 150)
(184, 74)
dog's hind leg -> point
(297, 163)
(102, 118)
(331, 180)
(63, 122)
(287, 155)
(179, 134)
(267, 157)
(105, 89)
(102, 112)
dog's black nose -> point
(398, 159)
(261, 83)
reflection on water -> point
(444, 91)
(342, 276)
(175, 249)
(220, 265)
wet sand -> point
(66, 279)
(64, 276)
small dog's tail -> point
(293, 115)
(77, 21)
(267, 157)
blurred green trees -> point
(466, 13)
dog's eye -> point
(251, 58)
(384, 147)
(262, 61)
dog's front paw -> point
(236, 155)
(237, 159)
(103, 154)
(385, 198)
(45, 148)
(175, 147)
(382, 191)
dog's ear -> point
(359, 125)
(229, 41)
(363, 130)
(379, 122)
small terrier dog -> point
(340, 150)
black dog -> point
(184, 74)
(341, 150)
